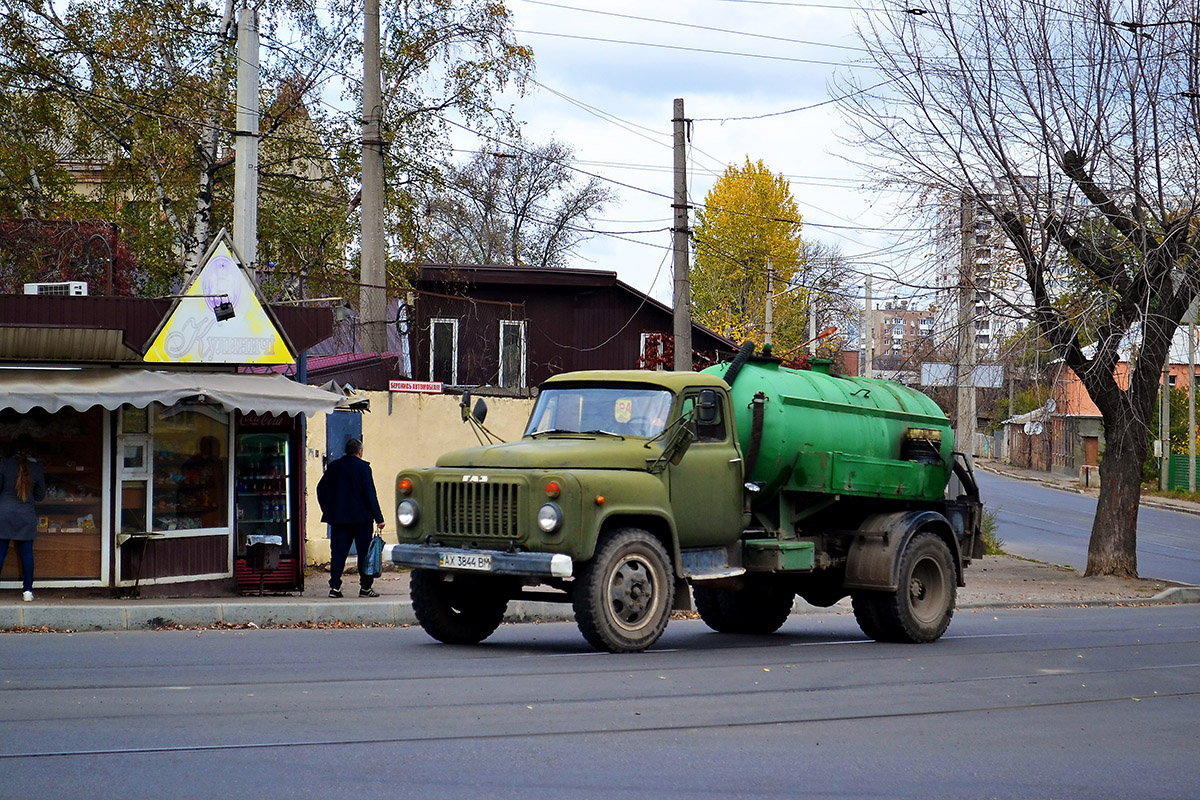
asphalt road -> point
(1054, 526)
(1013, 704)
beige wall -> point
(413, 433)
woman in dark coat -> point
(22, 483)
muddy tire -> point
(624, 594)
(867, 612)
(758, 608)
(464, 610)
(920, 609)
(708, 606)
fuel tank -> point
(836, 434)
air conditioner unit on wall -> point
(63, 288)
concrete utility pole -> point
(812, 325)
(245, 163)
(869, 319)
(1164, 425)
(1191, 329)
(964, 429)
(1193, 313)
(769, 320)
(683, 285)
(372, 297)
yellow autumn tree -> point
(748, 218)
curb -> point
(1179, 594)
(391, 613)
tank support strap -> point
(756, 428)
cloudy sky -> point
(755, 77)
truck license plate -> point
(465, 561)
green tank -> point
(839, 435)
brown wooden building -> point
(514, 327)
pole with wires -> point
(683, 288)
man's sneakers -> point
(27, 597)
(338, 593)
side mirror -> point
(707, 407)
(464, 405)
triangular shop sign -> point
(220, 318)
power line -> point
(725, 31)
(706, 51)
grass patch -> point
(1176, 494)
(993, 545)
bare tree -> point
(1075, 125)
(528, 207)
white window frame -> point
(645, 338)
(520, 325)
(433, 324)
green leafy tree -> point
(143, 94)
(749, 217)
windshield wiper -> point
(606, 433)
(561, 432)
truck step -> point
(709, 563)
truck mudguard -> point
(874, 558)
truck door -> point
(706, 486)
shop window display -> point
(189, 465)
(70, 446)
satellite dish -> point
(1051, 405)
(1037, 428)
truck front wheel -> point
(623, 595)
(920, 609)
(464, 610)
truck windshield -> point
(626, 410)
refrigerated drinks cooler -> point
(265, 512)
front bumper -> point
(540, 565)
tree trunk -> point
(1113, 546)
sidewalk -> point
(992, 582)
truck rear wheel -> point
(623, 595)
(757, 608)
(708, 606)
(920, 609)
(465, 610)
(866, 612)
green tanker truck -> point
(750, 482)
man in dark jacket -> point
(346, 494)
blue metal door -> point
(340, 427)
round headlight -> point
(406, 513)
(549, 517)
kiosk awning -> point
(81, 389)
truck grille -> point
(477, 509)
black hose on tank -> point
(739, 361)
